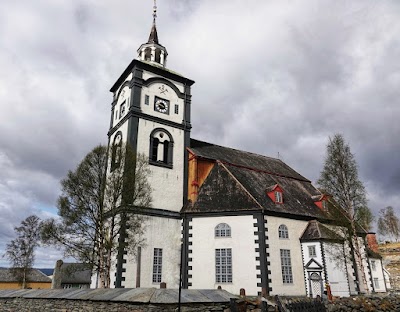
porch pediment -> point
(313, 264)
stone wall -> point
(58, 305)
(365, 304)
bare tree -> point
(339, 178)
(93, 206)
(21, 250)
(388, 223)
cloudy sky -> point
(272, 77)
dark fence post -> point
(233, 305)
(264, 306)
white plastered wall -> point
(242, 242)
(336, 268)
(377, 274)
(167, 93)
(296, 228)
(147, 75)
(159, 233)
(167, 183)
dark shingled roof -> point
(317, 231)
(75, 273)
(373, 254)
(34, 275)
(244, 159)
(239, 181)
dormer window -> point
(278, 197)
(321, 201)
(275, 192)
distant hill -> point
(391, 259)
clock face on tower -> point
(161, 105)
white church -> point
(223, 217)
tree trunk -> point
(359, 260)
(24, 278)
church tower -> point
(151, 112)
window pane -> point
(312, 251)
(286, 266)
(283, 231)
(157, 265)
(223, 265)
(222, 230)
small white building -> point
(377, 272)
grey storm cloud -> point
(272, 77)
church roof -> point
(34, 275)
(317, 231)
(245, 159)
(239, 181)
(77, 273)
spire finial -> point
(154, 11)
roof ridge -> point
(235, 149)
(241, 185)
(265, 171)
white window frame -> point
(222, 230)
(283, 232)
(278, 197)
(223, 265)
(312, 251)
(286, 266)
(376, 282)
(373, 265)
(157, 265)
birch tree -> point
(339, 178)
(94, 204)
(21, 250)
(388, 223)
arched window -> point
(222, 230)
(154, 151)
(116, 151)
(161, 148)
(283, 231)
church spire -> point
(153, 38)
(153, 51)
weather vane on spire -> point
(154, 11)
